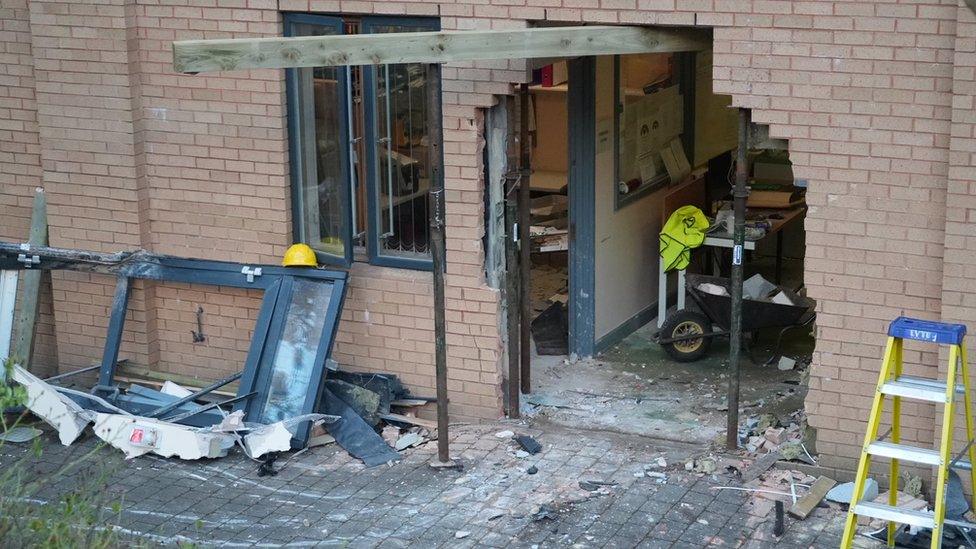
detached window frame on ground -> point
(277, 285)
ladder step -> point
(913, 454)
(904, 452)
(922, 519)
(918, 388)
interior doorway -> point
(548, 125)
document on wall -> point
(675, 160)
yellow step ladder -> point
(892, 384)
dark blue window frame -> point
(374, 224)
(295, 153)
(276, 283)
(372, 182)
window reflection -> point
(649, 121)
(322, 177)
(402, 150)
(294, 357)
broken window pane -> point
(295, 356)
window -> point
(649, 140)
(359, 151)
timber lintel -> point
(193, 56)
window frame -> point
(373, 209)
(295, 157)
(684, 71)
(374, 251)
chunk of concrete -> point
(842, 492)
(785, 364)
(276, 437)
(782, 299)
(271, 438)
(408, 440)
(757, 287)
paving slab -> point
(324, 497)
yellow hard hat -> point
(299, 255)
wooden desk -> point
(724, 240)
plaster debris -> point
(57, 410)
(137, 436)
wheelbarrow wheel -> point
(682, 324)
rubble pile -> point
(766, 433)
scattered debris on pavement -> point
(528, 444)
(805, 505)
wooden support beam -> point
(193, 56)
(26, 323)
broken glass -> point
(295, 355)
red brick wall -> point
(875, 98)
(20, 166)
(959, 266)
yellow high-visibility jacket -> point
(684, 230)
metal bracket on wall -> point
(26, 258)
(198, 336)
(251, 272)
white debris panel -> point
(139, 435)
(136, 436)
(57, 410)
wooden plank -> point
(193, 56)
(805, 505)
(400, 418)
(25, 324)
(409, 402)
(760, 466)
(144, 375)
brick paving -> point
(324, 497)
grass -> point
(48, 505)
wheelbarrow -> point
(687, 334)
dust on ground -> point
(636, 388)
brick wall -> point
(875, 97)
(20, 166)
(959, 266)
